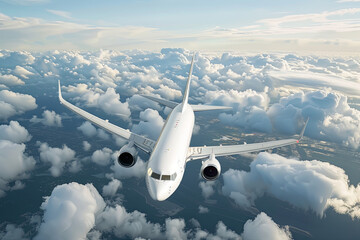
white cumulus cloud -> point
(263, 227)
(150, 125)
(69, 212)
(330, 116)
(111, 188)
(12, 103)
(50, 118)
(14, 132)
(102, 157)
(57, 157)
(311, 185)
(15, 165)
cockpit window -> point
(163, 177)
(173, 176)
(155, 175)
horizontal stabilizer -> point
(198, 108)
(167, 103)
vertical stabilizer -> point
(187, 89)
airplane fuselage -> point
(166, 165)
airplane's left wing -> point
(143, 143)
(195, 153)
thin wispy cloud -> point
(327, 31)
(60, 13)
(342, 1)
(26, 2)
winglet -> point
(303, 130)
(187, 89)
(60, 96)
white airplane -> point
(170, 153)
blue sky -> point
(327, 27)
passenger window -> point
(155, 175)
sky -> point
(322, 27)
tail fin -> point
(187, 89)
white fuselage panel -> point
(169, 155)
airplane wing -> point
(141, 142)
(162, 101)
(195, 153)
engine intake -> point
(210, 169)
(127, 156)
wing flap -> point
(203, 152)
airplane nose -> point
(157, 190)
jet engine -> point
(210, 169)
(127, 156)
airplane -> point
(171, 152)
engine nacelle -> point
(210, 169)
(127, 156)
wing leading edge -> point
(195, 153)
(143, 143)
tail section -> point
(187, 89)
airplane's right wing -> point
(143, 143)
(195, 153)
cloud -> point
(316, 80)
(57, 157)
(87, 129)
(26, 2)
(10, 80)
(77, 211)
(69, 212)
(51, 119)
(22, 72)
(175, 229)
(111, 188)
(249, 107)
(12, 103)
(102, 157)
(86, 145)
(118, 221)
(108, 101)
(90, 131)
(263, 226)
(331, 117)
(15, 165)
(203, 209)
(60, 13)
(311, 185)
(207, 188)
(150, 125)
(12, 232)
(14, 132)
(222, 232)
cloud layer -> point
(75, 211)
(313, 185)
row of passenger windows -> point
(161, 177)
